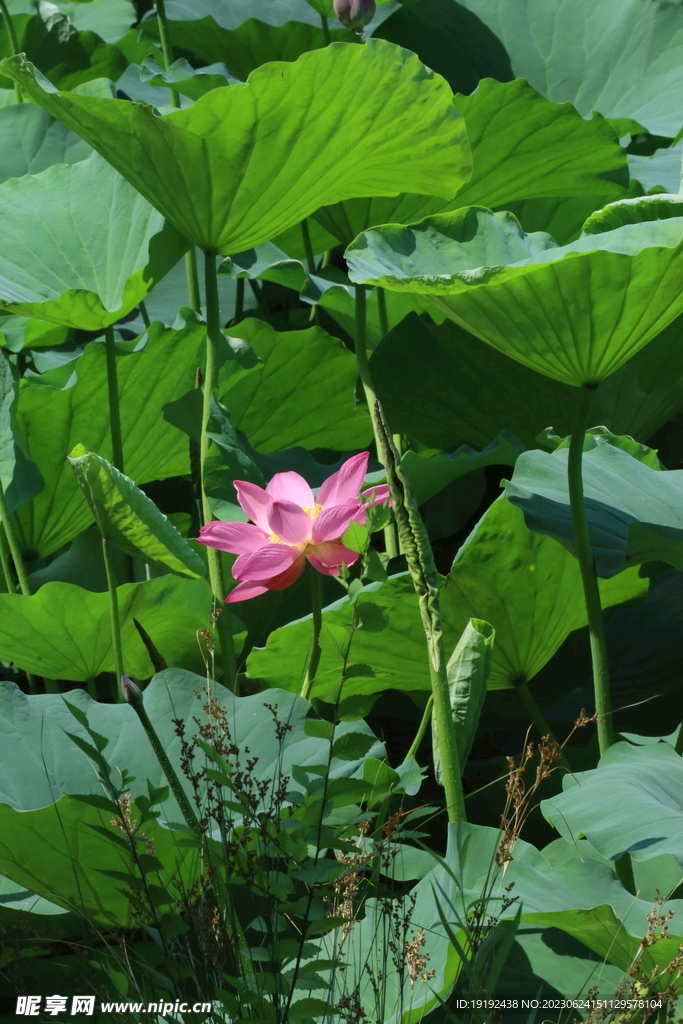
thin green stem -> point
(91, 688)
(538, 718)
(13, 43)
(365, 374)
(422, 729)
(13, 543)
(166, 48)
(239, 300)
(113, 393)
(144, 314)
(51, 685)
(5, 562)
(171, 777)
(382, 310)
(316, 606)
(591, 592)
(114, 617)
(310, 262)
(326, 30)
(213, 339)
(192, 277)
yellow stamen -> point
(313, 512)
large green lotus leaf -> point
(216, 172)
(575, 313)
(43, 765)
(64, 632)
(620, 57)
(428, 475)
(532, 597)
(662, 169)
(302, 392)
(20, 478)
(34, 141)
(630, 802)
(522, 145)
(460, 390)
(50, 422)
(635, 513)
(126, 516)
(80, 246)
(528, 587)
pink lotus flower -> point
(290, 526)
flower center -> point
(313, 512)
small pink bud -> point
(355, 13)
(132, 694)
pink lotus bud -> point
(355, 13)
(132, 694)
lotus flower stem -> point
(144, 314)
(591, 592)
(316, 606)
(239, 300)
(13, 44)
(326, 30)
(192, 278)
(426, 581)
(113, 393)
(114, 616)
(382, 310)
(213, 337)
(365, 374)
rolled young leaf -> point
(126, 516)
(468, 671)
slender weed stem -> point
(217, 578)
(316, 606)
(591, 592)
(113, 394)
(538, 718)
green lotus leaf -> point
(47, 841)
(50, 422)
(575, 313)
(19, 477)
(300, 393)
(185, 79)
(125, 515)
(33, 141)
(64, 632)
(80, 246)
(460, 390)
(661, 170)
(615, 56)
(634, 512)
(428, 475)
(630, 803)
(505, 575)
(227, 195)
(522, 145)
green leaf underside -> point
(125, 515)
(575, 313)
(634, 512)
(523, 146)
(248, 161)
(80, 246)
